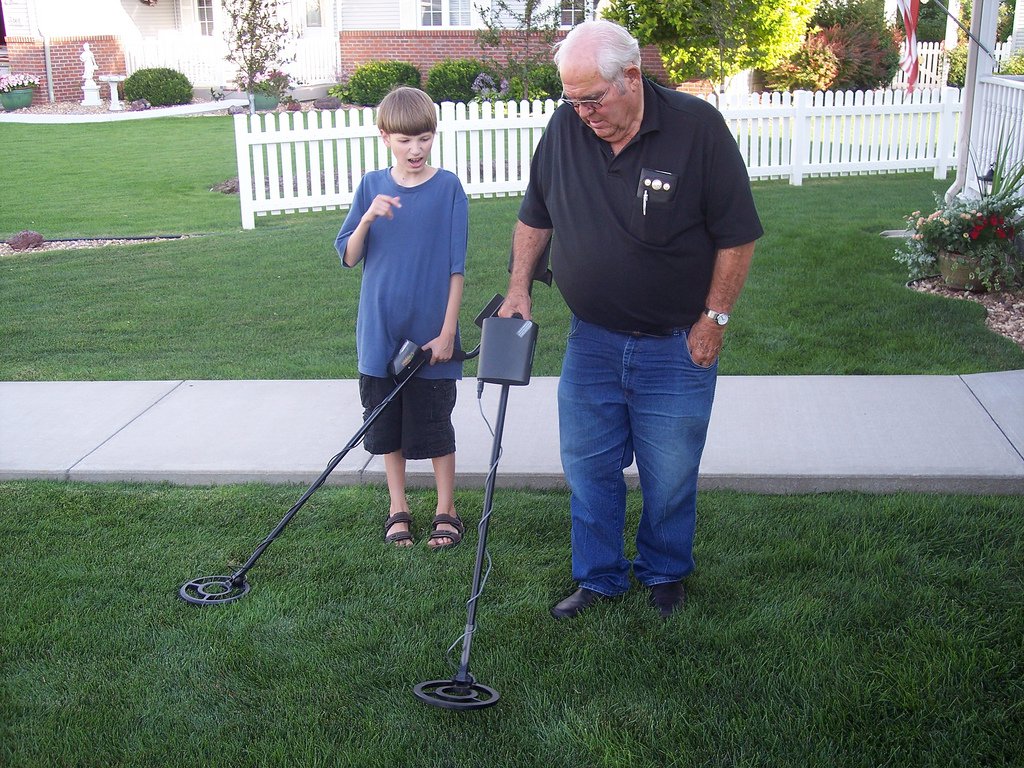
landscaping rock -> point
(327, 102)
(228, 187)
(138, 105)
(26, 239)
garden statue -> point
(88, 62)
(90, 90)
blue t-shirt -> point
(407, 263)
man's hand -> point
(705, 341)
(516, 303)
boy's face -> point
(411, 152)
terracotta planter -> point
(17, 99)
(961, 272)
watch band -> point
(720, 318)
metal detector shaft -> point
(481, 548)
(239, 575)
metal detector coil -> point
(211, 590)
(451, 694)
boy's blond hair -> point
(408, 111)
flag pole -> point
(966, 31)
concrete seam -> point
(119, 430)
(992, 418)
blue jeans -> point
(619, 397)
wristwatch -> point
(721, 318)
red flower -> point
(975, 232)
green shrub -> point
(813, 68)
(340, 91)
(1013, 66)
(452, 79)
(867, 58)
(159, 86)
(544, 84)
(957, 59)
(372, 81)
(852, 57)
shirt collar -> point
(651, 120)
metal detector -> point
(506, 358)
(214, 590)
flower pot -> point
(961, 272)
(262, 102)
(17, 99)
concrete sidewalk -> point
(771, 434)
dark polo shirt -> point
(624, 262)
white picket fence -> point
(933, 64)
(311, 161)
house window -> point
(314, 14)
(445, 13)
(576, 11)
(432, 14)
(204, 12)
(458, 13)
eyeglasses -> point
(592, 104)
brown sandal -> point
(455, 536)
(394, 538)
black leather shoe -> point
(576, 603)
(667, 597)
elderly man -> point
(653, 223)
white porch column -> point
(987, 35)
(952, 28)
(1017, 40)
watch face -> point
(722, 318)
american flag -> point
(908, 62)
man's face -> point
(614, 110)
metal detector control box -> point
(506, 350)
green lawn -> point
(824, 295)
(822, 630)
(827, 630)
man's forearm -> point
(730, 273)
(528, 245)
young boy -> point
(409, 225)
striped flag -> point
(908, 61)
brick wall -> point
(27, 56)
(419, 47)
(425, 48)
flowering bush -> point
(980, 228)
(257, 35)
(487, 90)
(10, 83)
(272, 83)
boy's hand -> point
(382, 205)
(441, 349)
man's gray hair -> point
(616, 48)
